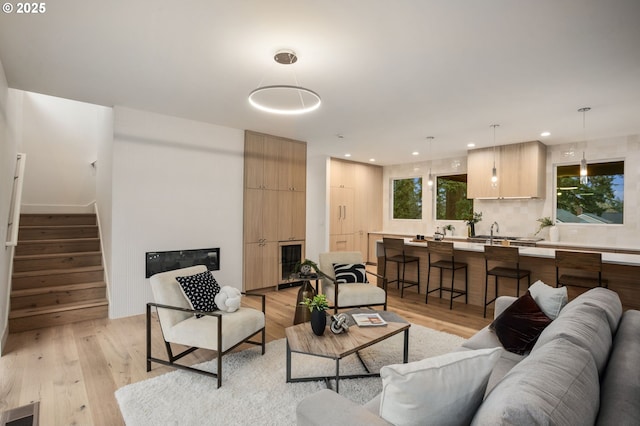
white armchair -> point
(350, 295)
(218, 331)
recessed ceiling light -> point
(471, 145)
(545, 134)
(372, 160)
(347, 155)
(415, 153)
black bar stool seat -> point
(502, 255)
(396, 245)
(446, 261)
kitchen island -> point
(621, 269)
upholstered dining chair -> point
(348, 288)
(219, 331)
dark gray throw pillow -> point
(201, 290)
(350, 273)
(519, 326)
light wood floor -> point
(74, 370)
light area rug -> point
(254, 389)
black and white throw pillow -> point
(350, 273)
(200, 289)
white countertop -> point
(544, 252)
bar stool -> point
(444, 252)
(589, 262)
(396, 245)
(502, 255)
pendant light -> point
(430, 178)
(584, 178)
(494, 172)
(285, 99)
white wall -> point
(60, 138)
(8, 152)
(317, 203)
(518, 217)
(177, 184)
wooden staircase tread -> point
(52, 289)
(29, 312)
(55, 255)
(58, 240)
(57, 271)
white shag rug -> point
(254, 390)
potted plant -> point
(449, 228)
(547, 222)
(471, 220)
(317, 306)
(308, 267)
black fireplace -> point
(291, 253)
(161, 261)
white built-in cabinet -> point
(521, 171)
(275, 172)
(355, 205)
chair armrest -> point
(177, 308)
(264, 311)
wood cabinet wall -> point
(275, 173)
(355, 206)
(521, 170)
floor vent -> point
(26, 415)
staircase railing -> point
(16, 200)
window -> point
(599, 200)
(407, 198)
(451, 198)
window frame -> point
(392, 193)
(435, 196)
(589, 164)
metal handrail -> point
(16, 199)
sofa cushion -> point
(620, 386)
(584, 325)
(550, 299)
(556, 385)
(603, 298)
(519, 326)
(446, 389)
(201, 290)
(350, 273)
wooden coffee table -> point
(300, 339)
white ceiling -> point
(390, 73)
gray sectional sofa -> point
(582, 370)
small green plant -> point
(544, 222)
(317, 303)
(449, 228)
(474, 218)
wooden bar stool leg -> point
(404, 270)
(453, 273)
(426, 297)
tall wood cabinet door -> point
(342, 242)
(512, 170)
(342, 174)
(285, 208)
(271, 162)
(254, 146)
(261, 161)
(299, 216)
(292, 174)
(341, 206)
(260, 215)
(261, 265)
(524, 170)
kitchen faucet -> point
(497, 230)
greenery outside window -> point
(407, 198)
(599, 200)
(451, 198)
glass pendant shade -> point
(430, 179)
(583, 171)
